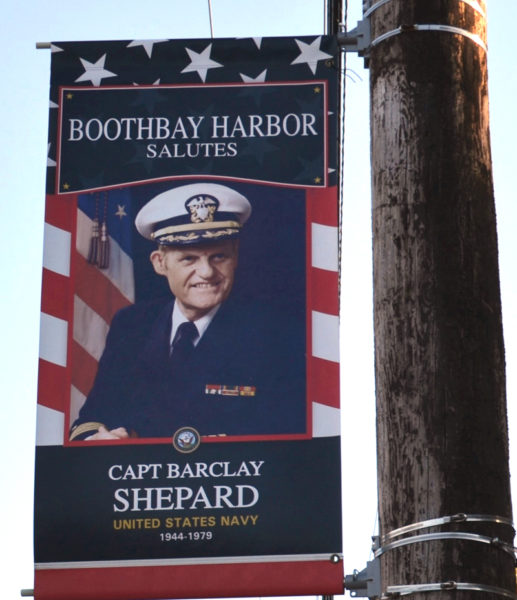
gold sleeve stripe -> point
(85, 428)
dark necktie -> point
(182, 344)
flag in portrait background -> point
(105, 282)
(106, 144)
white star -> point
(50, 161)
(310, 54)
(258, 79)
(257, 40)
(147, 44)
(157, 82)
(54, 48)
(201, 62)
(52, 104)
(95, 71)
(121, 211)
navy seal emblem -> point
(186, 439)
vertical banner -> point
(188, 399)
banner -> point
(188, 398)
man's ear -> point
(157, 257)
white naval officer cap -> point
(193, 214)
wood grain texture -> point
(440, 370)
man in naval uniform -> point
(200, 359)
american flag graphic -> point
(79, 300)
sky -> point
(23, 152)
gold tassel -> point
(103, 259)
(104, 248)
(98, 253)
(93, 251)
(94, 243)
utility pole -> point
(440, 371)
(333, 16)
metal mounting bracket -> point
(357, 39)
(365, 583)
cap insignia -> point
(202, 208)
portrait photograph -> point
(151, 260)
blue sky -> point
(23, 151)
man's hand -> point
(103, 434)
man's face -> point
(199, 276)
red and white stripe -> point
(77, 299)
(323, 303)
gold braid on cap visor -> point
(191, 236)
(191, 227)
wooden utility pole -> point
(440, 371)
(333, 17)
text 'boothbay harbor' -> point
(261, 124)
(188, 127)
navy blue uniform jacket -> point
(259, 356)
